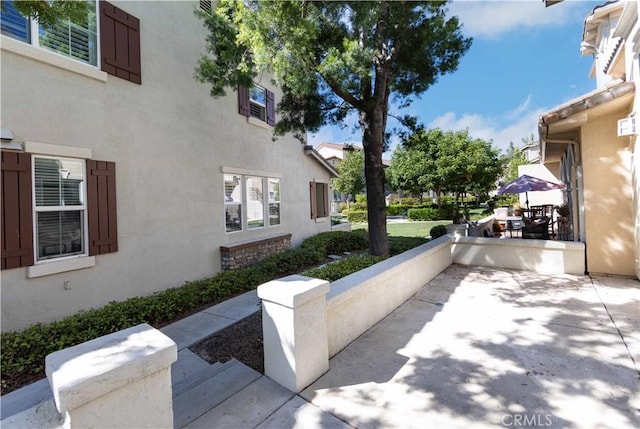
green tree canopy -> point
(333, 57)
(408, 171)
(49, 13)
(514, 158)
(446, 161)
(351, 169)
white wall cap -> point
(84, 372)
(293, 291)
(519, 243)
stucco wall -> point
(169, 140)
(608, 193)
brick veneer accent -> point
(247, 253)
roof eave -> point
(309, 150)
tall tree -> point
(449, 161)
(331, 58)
(409, 171)
(514, 158)
(351, 169)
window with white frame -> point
(233, 202)
(255, 202)
(59, 206)
(247, 205)
(258, 102)
(274, 201)
(77, 40)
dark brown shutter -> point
(17, 212)
(244, 106)
(271, 108)
(325, 199)
(313, 200)
(120, 43)
(101, 207)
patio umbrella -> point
(526, 183)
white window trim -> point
(70, 263)
(265, 176)
(250, 172)
(258, 123)
(243, 203)
(35, 211)
(56, 266)
(51, 58)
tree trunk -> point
(372, 140)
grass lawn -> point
(407, 229)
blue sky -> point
(525, 60)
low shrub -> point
(334, 242)
(343, 267)
(409, 201)
(357, 216)
(358, 206)
(398, 245)
(23, 353)
(438, 231)
(397, 209)
(424, 214)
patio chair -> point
(537, 229)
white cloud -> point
(522, 108)
(490, 19)
(511, 127)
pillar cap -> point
(293, 291)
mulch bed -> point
(242, 341)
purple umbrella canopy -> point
(527, 183)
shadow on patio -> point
(483, 347)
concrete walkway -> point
(475, 348)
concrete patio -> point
(476, 348)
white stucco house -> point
(121, 176)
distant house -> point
(121, 176)
(591, 143)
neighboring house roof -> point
(333, 152)
(571, 115)
(591, 30)
(309, 150)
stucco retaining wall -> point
(358, 301)
(542, 256)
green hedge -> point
(397, 209)
(357, 216)
(23, 353)
(398, 245)
(343, 267)
(425, 214)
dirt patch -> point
(242, 341)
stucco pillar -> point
(294, 324)
(120, 380)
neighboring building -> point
(121, 176)
(531, 152)
(333, 152)
(590, 145)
